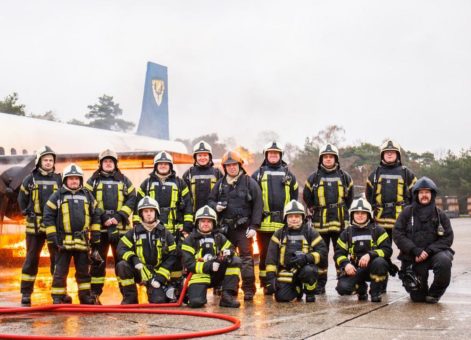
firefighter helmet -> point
(391, 145)
(163, 157)
(232, 157)
(424, 183)
(410, 280)
(205, 212)
(329, 149)
(45, 150)
(273, 146)
(72, 170)
(293, 207)
(201, 147)
(360, 204)
(108, 153)
(148, 203)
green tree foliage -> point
(104, 115)
(10, 105)
(48, 115)
(212, 139)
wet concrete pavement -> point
(330, 317)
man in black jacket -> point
(424, 237)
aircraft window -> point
(13, 151)
(2, 151)
(25, 152)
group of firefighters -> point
(204, 223)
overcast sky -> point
(399, 69)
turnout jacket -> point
(155, 249)
(200, 180)
(412, 234)
(35, 190)
(388, 189)
(279, 187)
(71, 219)
(174, 201)
(243, 200)
(355, 241)
(115, 196)
(196, 246)
(285, 242)
(328, 194)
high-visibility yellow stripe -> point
(310, 287)
(340, 259)
(380, 252)
(58, 290)
(316, 241)
(51, 229)
(84, 286)
(127, 282)
(172, 247)
(275, 239)
(126, 241)
(270, 268)
(98, 280)
(29, 278)
(176, 274)
(199, 267)
(342, 244)
(226, 245)
(233, 271)
(127, 255)
(377, 278)
(188, 248)
(382, 238)
(164, 272)
(317, 257)
(51, 205)
(120, 195)
(126, 210)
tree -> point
(104, 115)
(10, 105)
(48, 115)
(332, 134)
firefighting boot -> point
(26, 300)
(57, 299)
(129, 295)
(229, 300)
(86, 299)
(67, 299)
(376, 298)
(96, 297)
(362, 292)
(310, 297)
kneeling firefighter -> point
(362, 254)
(211, 258)
(147, 255)
(294, 254)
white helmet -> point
(163, 157)
(45, 150)
(293, 207)
(108, 154)
(201, 147)
(391, 145)
(273, 146)
(72, 170)
(148, 203)
(329, 149)
(206, 212)
(360, 204)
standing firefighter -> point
(147, 255)
(34, 192)
(202, 176)
(238, 200)
(424, 237)
(279, 187)
(210, 257)
(362, 253)
(328, 193)
(115, 196)
(388, 189)
(294, 253)
(72, 222)
(173, 196)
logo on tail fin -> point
(158, 88)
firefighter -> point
(294, 254)
(279, 187)
(202, 176)
(237, 199)
(116, 198)
(424, 237)
(173, 196)
(72, 222)
(147, 255)
(362, 253)
(34, 192)
(328, 193)
(388, 189)
(211, 258)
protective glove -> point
(299, 259)
(227, 253)
(96, 257)
(250, 233)
(139, 266)
(118, 217)
(187, 226)
(104, 218)
(207, 257)
(155, 283)
(113, 234)
(215, 266)
(220, 207)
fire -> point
(256, 251)
(18, 249)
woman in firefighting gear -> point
(147, 255)
(294, 254)
(72, 222)
(202, 176)
(174, 198)
(34, 192)
(279, 187)
(328, 193)
(361, 253)
(424, 237)
(116, 198)
(211, 258)
(237, 198)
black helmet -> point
(410, 280)
(424, 183)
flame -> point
(19, 249)
(255, 251)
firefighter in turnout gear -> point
(279, 187)
(211, 258)
(237, 199)
(147, 256)
(116, 198)
(202, 176)
(72, 222)
(294, 254)
(362, 253)
(388, 189)
(328, 193)
(424, 237)
(34, 192)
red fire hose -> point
(135, 308)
